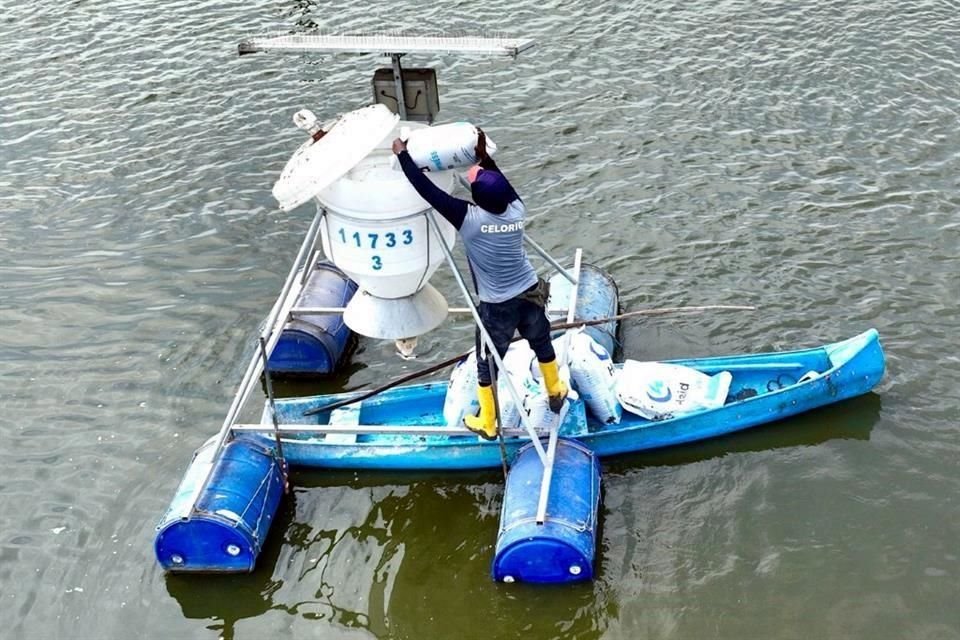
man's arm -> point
(453, 209)
(488, 163)
(485, 161)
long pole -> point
(496, 412)
(555, 431)
(555, 326)
(273, 414)
(398, 85)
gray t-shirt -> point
(494, 246)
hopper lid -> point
(317, 164)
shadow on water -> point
(381, 552)
(387, 558)
(291, 386)
(227, 599)
(852, 419)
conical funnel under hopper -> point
(392, 319)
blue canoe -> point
(404, 428)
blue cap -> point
(492, 191)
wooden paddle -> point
(555, 326)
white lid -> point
(316, 165)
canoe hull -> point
(771, 386)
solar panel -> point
(386, 44)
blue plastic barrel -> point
(597, 297)
(314, 345)
(225, 533)
(562, 548)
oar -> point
(555, 326)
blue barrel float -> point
(314, 345)
(562, 548)
(597, 297)
(226, 530)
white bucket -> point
(445, 146)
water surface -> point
(801, 157)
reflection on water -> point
(341, 551)
(851, 419)
(297, 386)
(407, 555)
(800, 156)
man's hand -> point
(481, 149)
(399, 145)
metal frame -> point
(284, 308)
(290, 430)
(398, 85)
(268, 338)
(554, 433)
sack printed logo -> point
(659, 391)
(663, 392)
(599, 351)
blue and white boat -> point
(404, 428)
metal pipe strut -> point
(484, 336)
(555, 431)
(273, 414)
(553, 263)
(496, 415)
(319, 311)
(398, 85)
(276, 318)
(312, 255)
(294, 429)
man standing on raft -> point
(512, 297)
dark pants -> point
(501, 319)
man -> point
(512, 297)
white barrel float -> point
(562, 548)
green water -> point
(798, 157)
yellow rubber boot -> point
(485, 423)
(556, 388)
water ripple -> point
(799, 157)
